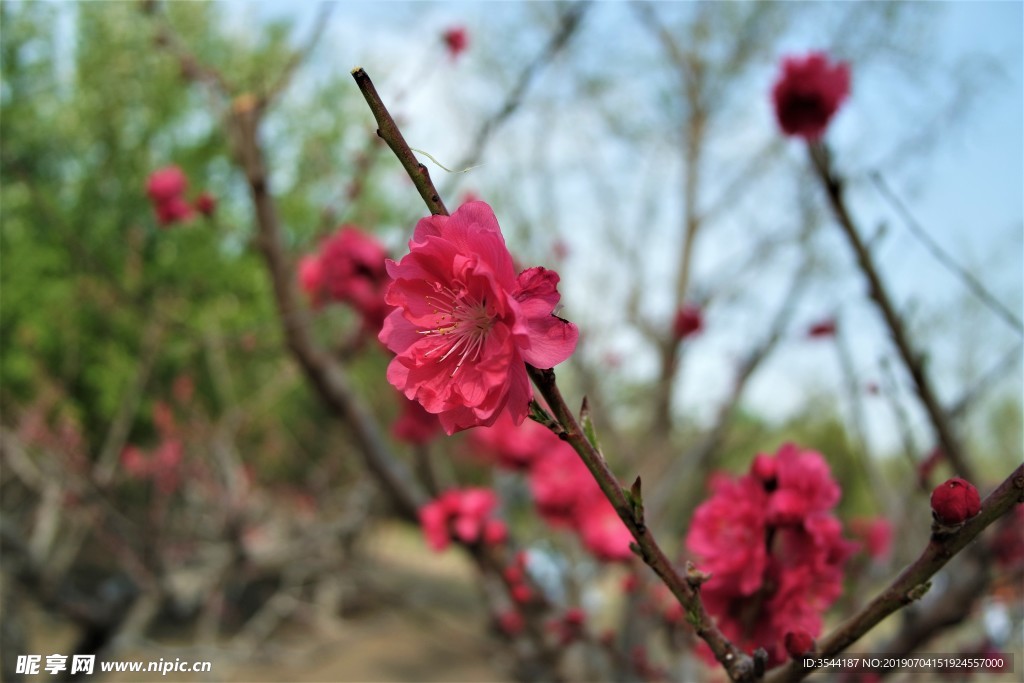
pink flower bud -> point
(955, 501)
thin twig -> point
(570, 22)
(298, 58)
(942, 256)
(998, 371)
(390, 133)
(913, 581)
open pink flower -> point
(465, 325)
(773, 548)
(808, 93)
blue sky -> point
(964, 181)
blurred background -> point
(173, 483)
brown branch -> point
(739, 665)
(191, 68)
(913, 580)
(389, 132)
(327, 378)
(914, 362)
(691, 74)
(966, 588)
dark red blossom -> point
(808, 93)
(689, 320)
(206, 203)
(955, 501)
(456, 39)
(822, 328)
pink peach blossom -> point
(464, 325)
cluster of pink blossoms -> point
(773, 548)
(563, 489)
(808, 93)
(464, 514)
(349, 268)
(166, 189)
(464, 325)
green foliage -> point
(94, 290)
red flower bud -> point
(206, 204)
(457, 40)
(689, 320)
(955, 501)
(799, 643)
